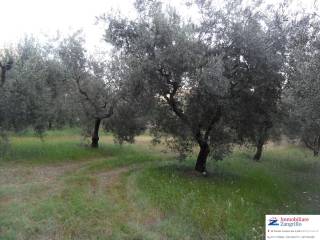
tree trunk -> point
(262, 139)
(95, 134)
(202, 157)
(50, 125)
(316, 146)
(3, 75)
(258, 154)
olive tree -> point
(6, 63)
(25, 101)
(96, 83)
(255, 63)
(302, 89)
(35, 93)
(177, 67)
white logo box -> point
(302, 227)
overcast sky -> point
(40, 17)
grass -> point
(232, 202)
(51, 133)
(60, 189)
(38, 152)
(66, 145)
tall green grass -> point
(72, 205)
(155, 197)
(36, 151)
(231, 203)
(50, 133)
(67, 145)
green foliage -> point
(302, 91)
(206, 77)
(35, 94)
(126, 122)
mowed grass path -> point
(60, 189)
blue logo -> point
(273, 222)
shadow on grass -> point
(187, 172)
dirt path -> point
(310, 195)
(109, 177)
(22, 183)
(17, 175)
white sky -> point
(40, 17)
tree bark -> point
(258, 154)
(202, 157)
(261, 141)
(95, 134)
(50, 125)
(316, 146)
(3, 75)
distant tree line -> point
(237, 74)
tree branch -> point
(109, 113)
(84, 93)
(307, 143)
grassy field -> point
(57, 188)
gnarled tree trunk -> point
(95, 134)
(202, 157)
(258, 154)
(261, 141)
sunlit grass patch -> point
(65, 145)
(291, 158)
(49, 133)
(36, 151)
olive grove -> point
(213, 83)
(234, 74)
